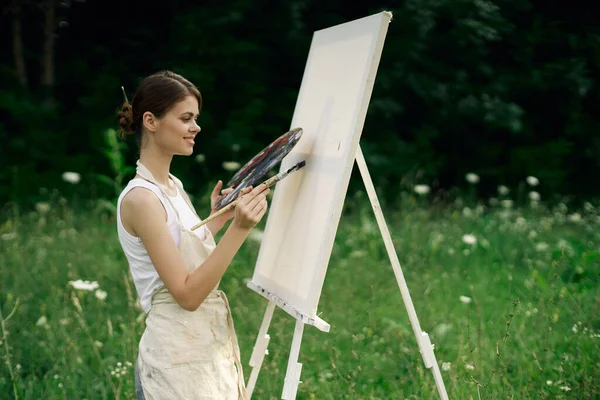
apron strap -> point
(147, 175)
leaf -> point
(105, 179)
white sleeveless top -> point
(146, 279)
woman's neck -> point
(158, 164)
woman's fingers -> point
(262, 209)
(252, 206)
(255, 204)
(242, 197)
(218, 187)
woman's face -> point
(175, 132)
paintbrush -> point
(269, 182)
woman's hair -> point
(157, 93)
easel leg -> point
(292, 375)
(422, 338)
(260, 348)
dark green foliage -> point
(504, 89)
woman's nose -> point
(196, 127)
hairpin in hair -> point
(124, 95)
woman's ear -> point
(149, 121)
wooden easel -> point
(294, 368)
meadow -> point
(507, 292)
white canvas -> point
(306, 206)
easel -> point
(294, 368)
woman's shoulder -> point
(140, 192)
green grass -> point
(531, 329)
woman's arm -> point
(215, 226)
(148, 220)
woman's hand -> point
(216, 224)
(251, 207)
(215, 197)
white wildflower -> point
(441, 330)
(532, 181)
(469, 239)
(563, 245)
(549, 383)
(503, 190)
(84, 285)
(9, 236)
(565, 388)
(200, 158)
(231, 165)
(446, 366)
(421, 189)
(100, 294)
(467, 212)
(532, 234)
(465, 299)
(574, 328)
(43, 321)
(534, 196)
(541, 246)
(470, 366)
(71, 177)
(507, 203)
(575, 217)
(98, 343)
(450, 251)
(42, 207)
(472, 178)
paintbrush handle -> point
(269, 182)
(217, 214)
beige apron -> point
(190, 354)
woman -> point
(189, 349)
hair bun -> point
(125, 117)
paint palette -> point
(255, 169)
